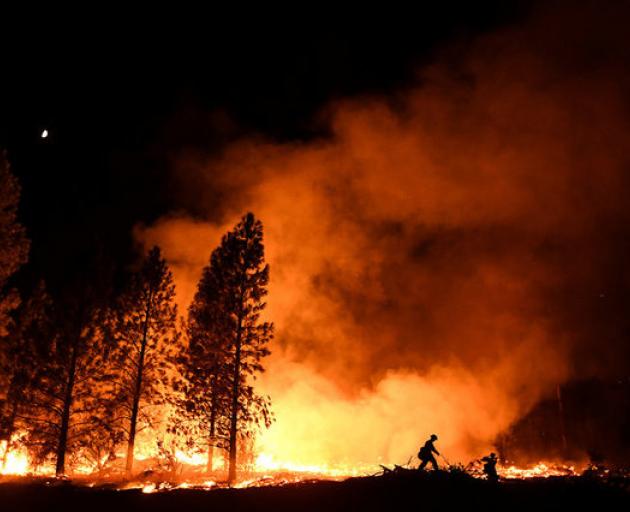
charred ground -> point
(427, 491)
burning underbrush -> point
(156, 476)
(399, 488)
(181, 471)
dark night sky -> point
(122, 101)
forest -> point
(108, 371)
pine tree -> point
(207, 365)
(22, 354)
(238, 277)
(66, 401)
(14, 244)
(147, 345)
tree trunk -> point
(137, 391)
(211, 440)
(235, 393)
(62, 445)
(9, 435)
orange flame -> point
(16, 462)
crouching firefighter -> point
(426, 453)
(490, 467)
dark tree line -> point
(84, 372)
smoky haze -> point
(447, 255)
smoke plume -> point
(446, 255)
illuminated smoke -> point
(438, 262)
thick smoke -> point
(447, 255)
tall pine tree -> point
(238, 277)
(147, 345)
(66, 401)
(207, 365)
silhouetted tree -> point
(147, 345)
(238, 277)
(14, 244)
(207, 366)
(67, 400)
(23, 351)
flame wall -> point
(446, 255)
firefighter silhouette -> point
(426, 453)
(490, 467)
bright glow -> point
(267, 470)
(266, 462)
(540, 470)
(194, 459)
(16, 463)
(44, 134)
